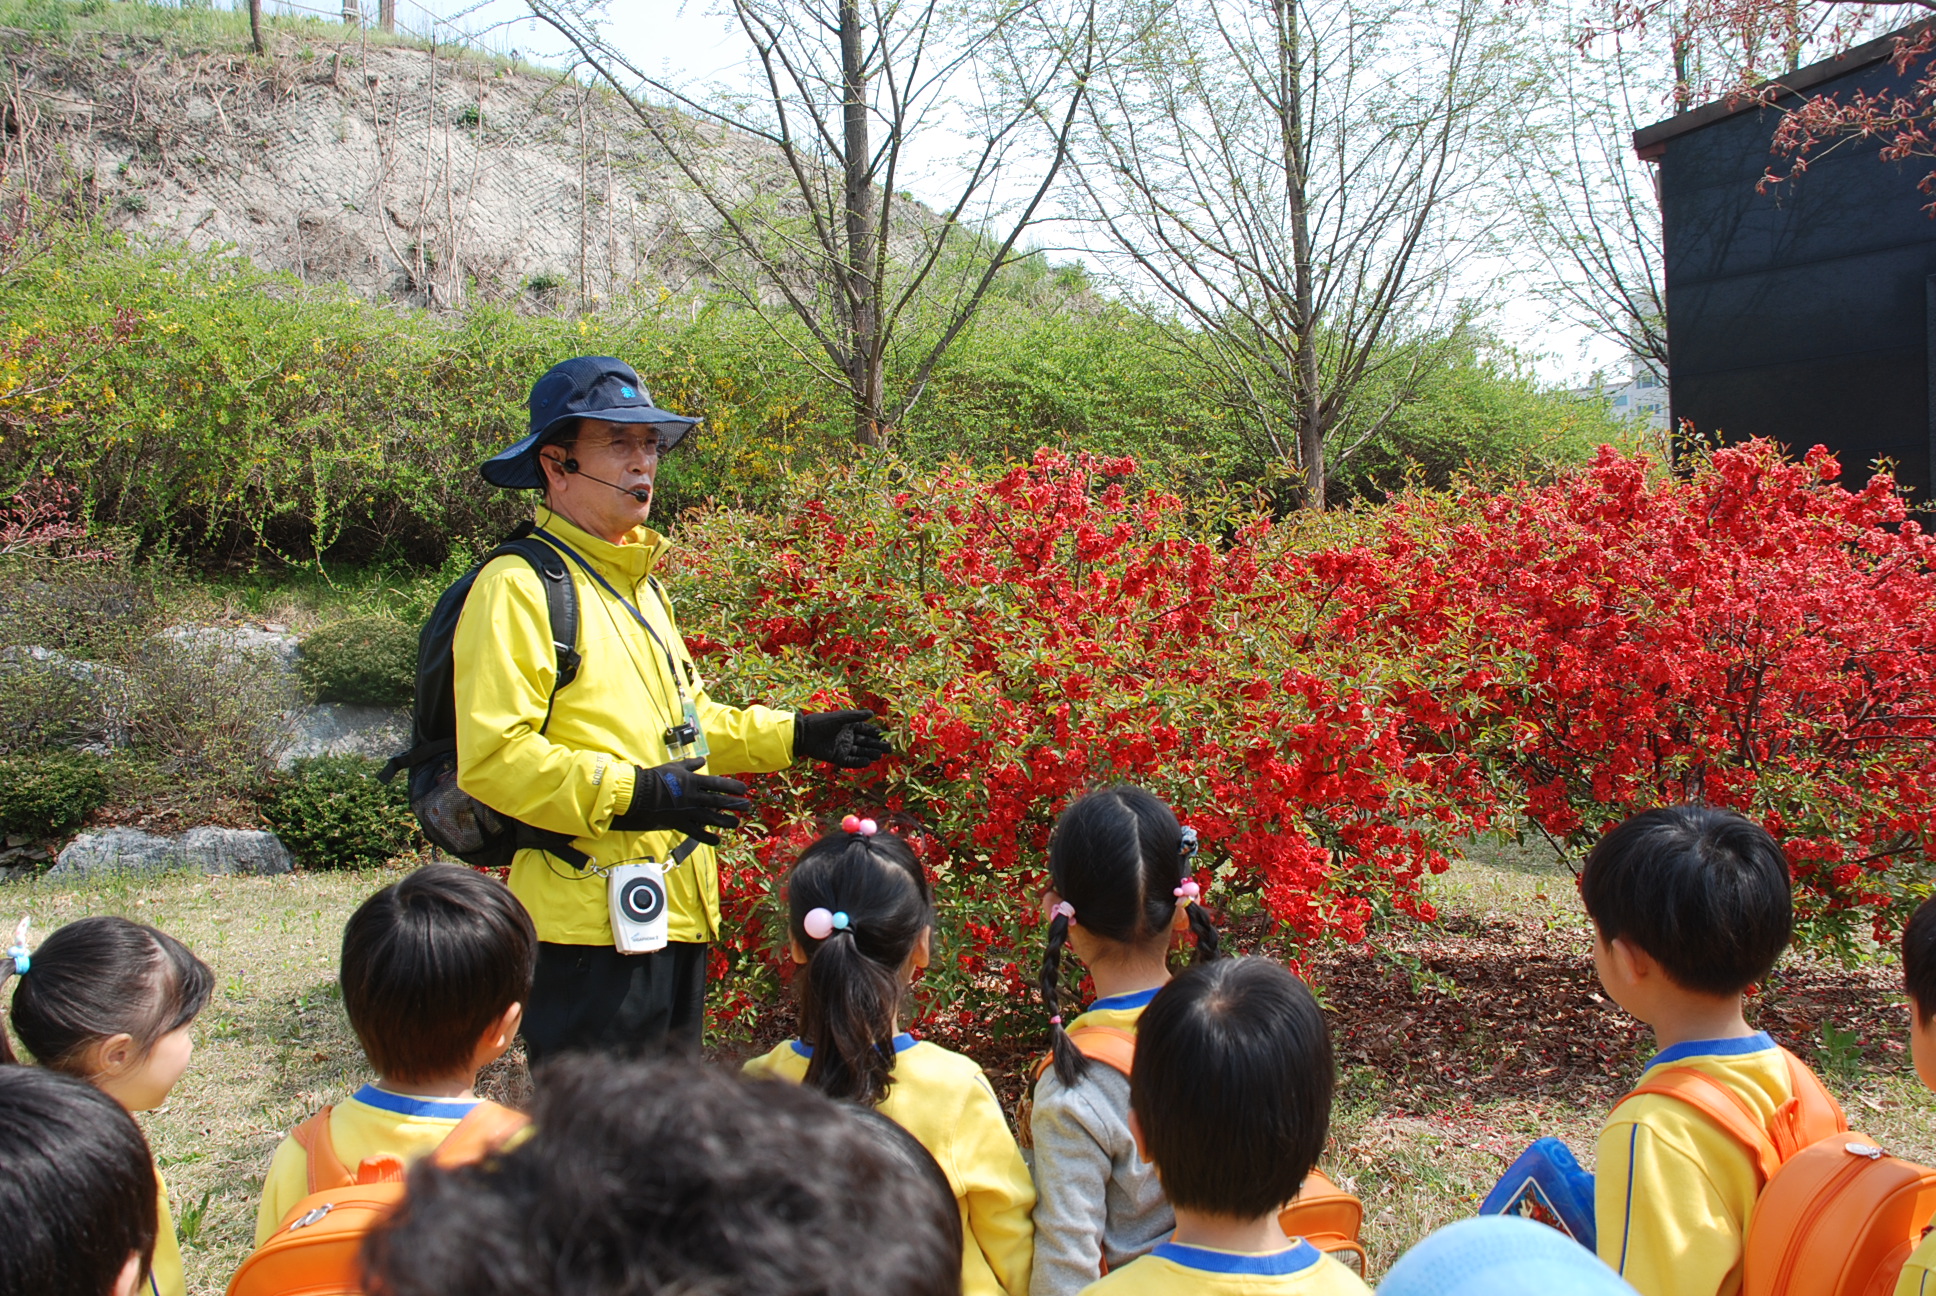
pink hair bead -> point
(819, 923)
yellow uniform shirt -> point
(1673, 1191)
(165, 1277)
(944, 1100)
(1119, 1011)
(1300, 1268)
(372, 1122)
(1916, 1278)
(574, 774)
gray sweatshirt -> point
(1095, 1199)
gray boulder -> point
(205, 850)
(245, 642)
(236, 850)
(338, 729)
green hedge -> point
(365, 661)
(222, 410)
(48, 795)
(332, 813)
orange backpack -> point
(1323, 1214)
(1837, 1216)
(314, 1250)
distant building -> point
(1804, 314)
(1642, 392)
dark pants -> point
(591, 998)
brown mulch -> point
(1445, 1014)
(1505, 1008)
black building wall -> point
(1805, 314)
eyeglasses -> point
(626, 444)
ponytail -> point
(847, 1018)
(14, 964)
(1070, 1065)
(1209, 947)
(7, 972)
(858, 905)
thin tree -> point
(804, 176)
(1589, 213)
(1298, 180)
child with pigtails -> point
(861, 917)
(1120, 891)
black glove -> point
(672, 798)
(842, 738)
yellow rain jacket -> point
(575, 774)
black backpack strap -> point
(415, 756)
(551, 843)
(561, 600)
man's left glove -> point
(842, 738)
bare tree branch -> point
(802, 177)
(1296, 179)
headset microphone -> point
(642, 494)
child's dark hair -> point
(1232, 1086)
(1116, 857)
(429, 963)
(851, 992)
(78, 1192)
(669, 1177)
(1705, 892)
(96, 978)
(1919, 960)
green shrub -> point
(332, 813)
(48, 795)
(50, 702)
(212, 712)
(365, 661)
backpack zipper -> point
(1822, 1199)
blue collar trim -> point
(1116, 1003)
(443, 1108)
(902, 1043)
(1296, 1258)
(1754, 1043)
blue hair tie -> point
(841, 921)
(21, 960)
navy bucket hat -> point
(599, 387)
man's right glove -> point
(842, 738)
(675, 798)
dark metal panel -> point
(1813, 310)
(1809, 314)
(1861, 407)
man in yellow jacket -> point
(608, 761)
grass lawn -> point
(1458, 1044)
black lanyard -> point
(672, 664)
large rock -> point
(338, 729)
(274, 646)
(206, 850)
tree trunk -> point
(386, 14)
(862, 289)
(255, 26)
(1306, 394)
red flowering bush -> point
(1032, 637)
(1334, 702)
(1750, 635)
